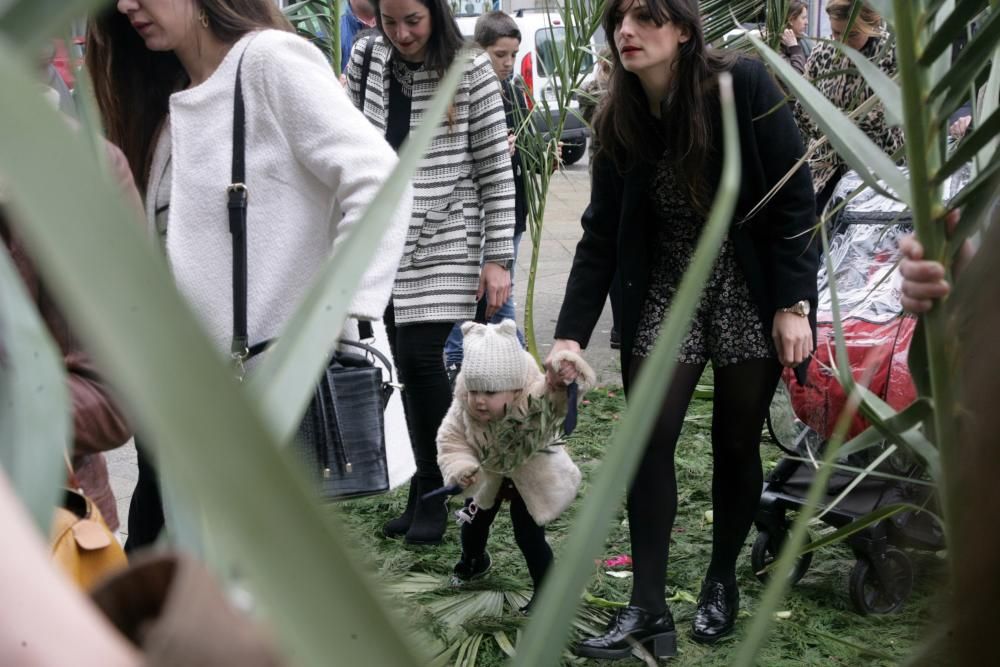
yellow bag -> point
(82, 545)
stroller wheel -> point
(885, 594)
(766, 550)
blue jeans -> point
(453, 346)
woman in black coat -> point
(654, 180)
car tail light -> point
(529, 79)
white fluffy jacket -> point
(313, 165)
(547, 481)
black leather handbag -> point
(341, 439)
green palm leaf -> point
(951, 28)
(950, 91)
(262, 515)
(34, 403)
(29, 23)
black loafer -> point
(716, 613)
(631, 627)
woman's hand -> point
(494, 282)
(567, 373)
(788, 38)
(924, 280)
(792, 338)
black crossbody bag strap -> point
(364, 327)
(238, 196)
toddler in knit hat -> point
(502, 439)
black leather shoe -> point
(430, 517)
(397, 527)
(630, 627)
(469, 569)
(716, 613)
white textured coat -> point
(547, 481)
(314, 164)
(463, 201)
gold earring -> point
(203, 18)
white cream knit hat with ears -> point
(492, 357)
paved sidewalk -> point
(568, 197)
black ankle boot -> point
(631, 626)
(397, 527)
(716, 613)
(430, 517)
(469, 569)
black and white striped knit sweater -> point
(463, 189)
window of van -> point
(550, 43)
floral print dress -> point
(726, 328)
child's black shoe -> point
(469, 569)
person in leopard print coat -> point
(847, 90)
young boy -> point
(498, 35)
(501, 440)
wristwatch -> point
(800, 308)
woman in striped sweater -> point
(460, 241)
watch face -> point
(804, 307)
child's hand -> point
(468, 478)
(566, 371)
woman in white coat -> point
(164, 73)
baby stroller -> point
(863, 253)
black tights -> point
(418, 352)
(742, 396)
(530, 537)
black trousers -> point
(418, 352)
(742, 397)
(145, 510)
(529, 536)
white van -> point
(543, 37)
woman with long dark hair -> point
(793, 45)
(655, 177)
(165, 75)
(460, 242)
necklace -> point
(403, 76)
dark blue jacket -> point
(350, 26)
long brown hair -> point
(623, 121)
(133, 84)
(445, 40)
(795, 7)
